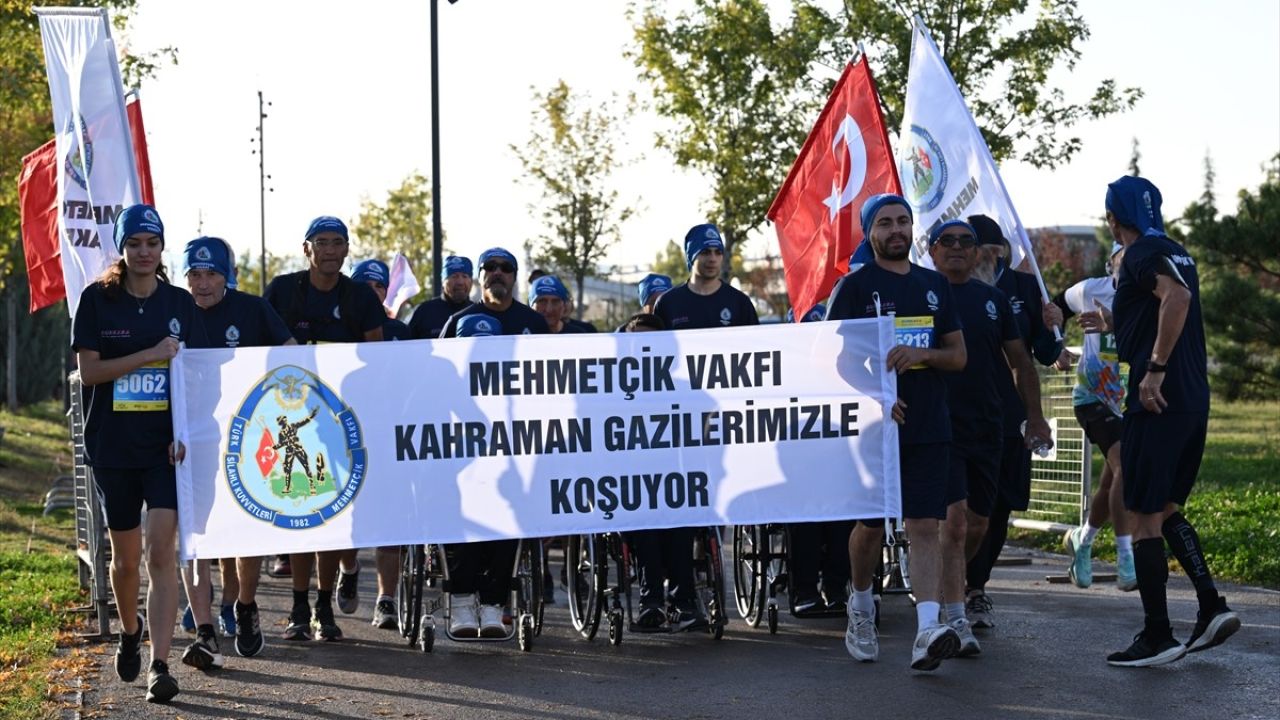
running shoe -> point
(808, 604)
(1213, 630)
(323, 624)
(1147, 652)
(227, 619)
(1126, 575)
(349, 591)
(932, 646)
(204, 653)
(385, 616)
(299, 628)
(968, 643)
(249, 640)
(462, 616)
(280, 567)
(837, 601)
(1081, 552)
(980, 610)
(686, 619)
(651, 619)
(129, 653)
(161, 686)
(861, 638)
(491, 625)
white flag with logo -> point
(402, 285)
(945, 166)
(97, 175)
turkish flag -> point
(266, 455)
(845, 160)
(38, 200)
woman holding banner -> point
(130, 323)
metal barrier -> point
(1061, 483)
(92, 547)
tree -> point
(1238, 258)
(671, 262)
(1001, 67)
(738, 92)
(1134, 156)
(401, 223)
(571, 153)
(249, 270)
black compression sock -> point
(1184, 542)
(1153, 574)
(324, 597)
(300, 597)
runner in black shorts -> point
(931, 343)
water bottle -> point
(1040, 446)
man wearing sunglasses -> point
(992, 345)
(498, 283)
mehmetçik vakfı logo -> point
(295, 454)
(79, 163)
(991, 310)
(923, 169)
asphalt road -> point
(1044, 659)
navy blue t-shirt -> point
(572, 326)
(429, 318)
(924, 311)
(315, 316)
(241, 320)
(683, 309)
(518, 319)
(393, 329)
(1137, 311)
(974, 392)
(129, 421)
(1024, 297)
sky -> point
(350, 117)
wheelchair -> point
(761, 557)
(424, 567)
(601, 570)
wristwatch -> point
(1153, 366)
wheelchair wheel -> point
(538, 606)
(712, 589)
(525, 632)
(584, 562)
(427, 638)
(409, 600)
(748, 576)
(773, 619)
(615, 626)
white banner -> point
(97, 176)
(944, 164)
(335, 446)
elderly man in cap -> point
(429, 317)
(550, 299)
(920, 300)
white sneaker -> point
(932, 646)
(491, 625)
(861, 638)
(462, 616)
(968, 643)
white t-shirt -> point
(1099, 374)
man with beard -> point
(931, 343)
(429, 317)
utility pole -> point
(437, 229)
(263, 177)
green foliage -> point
(570, 155)
(401, 223)
(671, 262)
(1001, 58)
(1238, 257)
(249, 270)
(736, 87)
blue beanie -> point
(1135, 201)
(137, 219)
(456, 264)
(209, 253)
(873, 206)
(653, 283)
(547, 285)
(479, 325)
(327, 223)
(498, 254)
(374, 270)
(699, 238)
(936, 232)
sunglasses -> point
(328, 243)
(964, 242)
(504, 267)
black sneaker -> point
(683, 620)
(837, 602)
(280, 567)
(808, 604)
(322, 622)
(299, 628)
(348, 591)
(161, 687)
(651, 619)
(204, 654)
(249, 640)
(385, 616)
(1146, 652)
(129, 653)
(1213, 630)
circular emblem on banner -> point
(295, 451)
(79, 162)
(923, 170)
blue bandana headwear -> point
(209, 253)
(653, 283)
(815, 314)
(699, 238)
(479, 325)
(498, 254)
(873, 206)
(327, 223)
(936, 233)
(862, 256)
(374, 270)
(137, 219)
(1135, 201)
(547, 286)
(457, 264)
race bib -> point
(916, 332)
(143, 390)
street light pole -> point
(437, 232)
(262, 190)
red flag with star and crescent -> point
(266, 455)
(845, 160)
